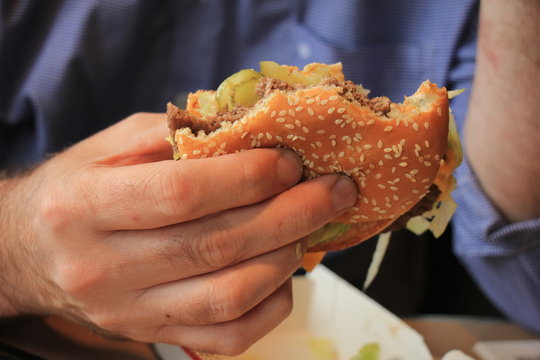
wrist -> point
(13, 231)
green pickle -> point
(238, 89)
(273, 70)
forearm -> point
(502, 133)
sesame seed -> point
(301, 138)
(374, 202)
(289, 137)
(333, 143)
(427, 144)
(319, 144)
(260, 136)
(184, 157)
(310, 111)
(380, 144)
(222, 146)
(388, 157)
(299, 108)
(381, 163)
(273, 114)
(427, 163)
(388, 128)
(362, 184)
(315, 156)
(289, 126)
(321, 132)
(306, 130)
(351, 160)
(283, 113)
(290, 101)
(362, 157)
(320, 117)
(417, 147)
(376, 208)
(367, 146)
(279, 138)
(196, 152)
(331, 110)
(393, 188)
(415, 126)
(371, 122)
(378, 176)
(324, 102)
(333, 98)
(395, 197)
(280, 120)
(387, 150)
(268, 136)
(403, 164)
(439, 110)
(341, 154)
(353, 125)
(426, 125)
(291, 112)
(338, 121)
(361, 123)
(341, 111)
(347, 116)
(393, 169)
(310, 101)
(297, 123)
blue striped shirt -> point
(71, 68)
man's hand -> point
(113, 235)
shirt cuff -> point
(480, 229)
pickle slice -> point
(238, 89)
(287, 74)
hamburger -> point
(401, 155)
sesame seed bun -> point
(394, 157)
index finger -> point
(152, 195)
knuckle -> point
(79, 280)
(229, 305)
(285, 306)
(215, 249)
(234, 343)
(176, 194)
(107, 320)
(53, 212)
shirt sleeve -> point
(502, 257)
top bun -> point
(393, 155)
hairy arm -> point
(502, 133)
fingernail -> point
(344, 194)
(289, 168)
(299, 252)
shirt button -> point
(304, 51)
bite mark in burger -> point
(401, 155)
